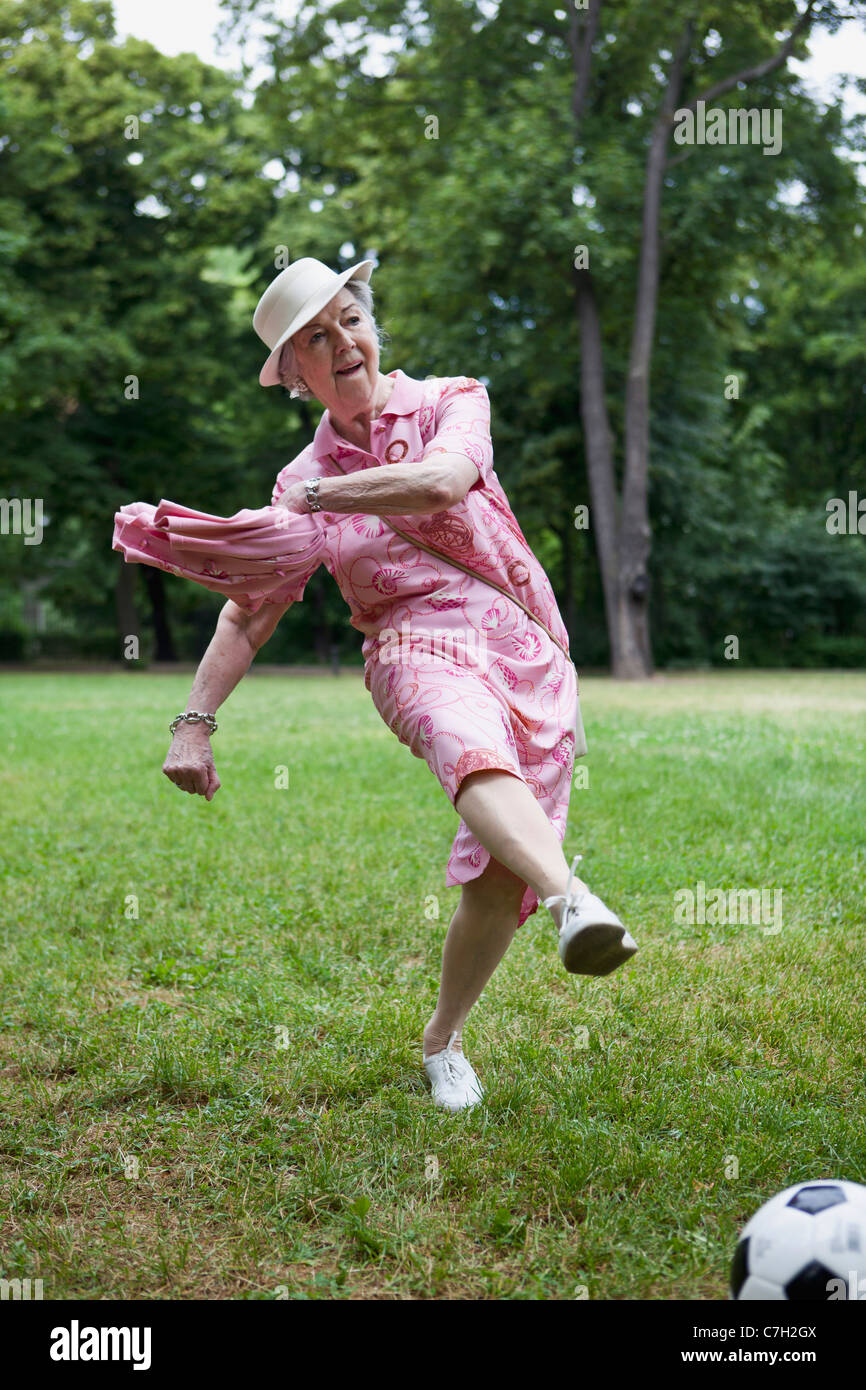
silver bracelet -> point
(311, 487)
(193, 716)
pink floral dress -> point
(458, 672)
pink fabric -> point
(460, 674)
(255, 556)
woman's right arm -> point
(239, 635)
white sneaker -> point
(592, 939)
(455, 1085)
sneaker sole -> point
(597, 949)
(443, 1104)
(456, 1109)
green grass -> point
(252, 1038)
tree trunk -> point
(124, 603)
(621, 536)
(621, 527)
(598, 442)
(633, 650)
(568, 603)
(322, 637)
(165, 650)
(623, 540)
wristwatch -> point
(311, 487)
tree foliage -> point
(442, 141)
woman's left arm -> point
(393, 489)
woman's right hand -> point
(189, 762)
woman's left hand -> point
(294, 499)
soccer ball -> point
(807, 1243)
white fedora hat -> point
(292, 299)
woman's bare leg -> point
(480, 933)
(505, 817)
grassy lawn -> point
(210, 1028)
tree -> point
(121, 170)
(493, 145)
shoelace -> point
(572, 896)
(456, 1068)
(454, 1062)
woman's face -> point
(339, 336)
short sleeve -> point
(462, 424)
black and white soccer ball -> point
(807, 1243)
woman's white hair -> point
(288, 364)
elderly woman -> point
(466, 655)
